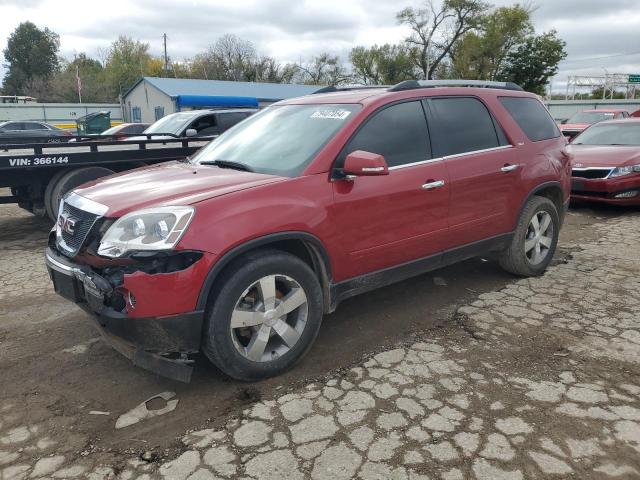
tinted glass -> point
(279, 140)
(532, 117)
(34, 126)
(228, 120)
(399, 133)
(462, 124)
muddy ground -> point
(54, 366)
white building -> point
(152, 98)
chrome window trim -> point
(82, 203)
(413, 164)
(456, 155)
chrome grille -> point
(591, 172)
(70, 242)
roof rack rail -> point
(333, 88)
(413, 84)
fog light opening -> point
(629, 194)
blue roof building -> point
(152, 98)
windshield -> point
(590, 117)
(173, 123)
(280, 140)
(610, 134)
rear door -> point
(482, 165)
(387, 220)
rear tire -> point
(71, 180)
(242, 316)
(535, 239)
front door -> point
(387, 220)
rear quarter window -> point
(532, 117)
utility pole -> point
(166, 59)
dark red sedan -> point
(606, 163)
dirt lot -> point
(54, 369)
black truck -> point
(39, 174)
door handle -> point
(432, 185)
(509, 168)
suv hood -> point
(604, 155)
(172, 183)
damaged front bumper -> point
(161, 344)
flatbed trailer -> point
(39, 174)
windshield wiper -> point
(228, 164)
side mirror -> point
(191, 132)
(365, 164)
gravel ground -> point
(538, 379)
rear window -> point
(532, 117)
(463, 125)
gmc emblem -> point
(67, 224)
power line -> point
(601, 58)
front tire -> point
(535, 239)
(264, 316)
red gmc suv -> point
(240, 250)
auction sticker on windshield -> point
(336, 114)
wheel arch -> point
(552, 191)
(303, 245)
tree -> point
(481, 54)
(233, 58)
(535, 61)
(127, 61)
(31, 56)
(435, 31)
(382, 65)
(323, 69)
(64, 85)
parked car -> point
(635, 114)
(121, 132)
(240, 251)
(581, 120)
(606, 163)
(198, 123)
(30, 132)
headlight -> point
(620, 171)
(157, 228)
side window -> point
(532, 117)
(13, 126)
(34, 126)
(136, 114)
(206, 125)
(462, 124)
(159, 112)
(228, 120)
(398, 132)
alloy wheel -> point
(539, 237)
(269, 318)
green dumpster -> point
(93, 123)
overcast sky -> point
(291, 30)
